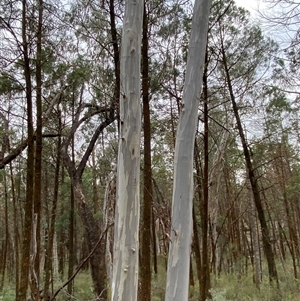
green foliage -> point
(159, 281)
(83, 289)
(232, 288)
(7, 294)
(63, 221)
(8, 83)
(98, 216)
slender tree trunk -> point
(4, 147)
(253, 179)
(4, 256)
(96, 202)
(49, 251)
(38, 148)
(182, 202)
(61, 239)
(255, 240)
(199, 183)
(126, 240)
(205, 273)
(154, 241)
(197, 249)
(92, 230)
(192, 280)
(71, 247)
(16, 230)
(114, 36)
(21, 295)
(145, 261)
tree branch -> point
(81, 264)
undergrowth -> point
(229, 287)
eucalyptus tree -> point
(126, 236)
(168, 23)
(160, 19)
(182, 202)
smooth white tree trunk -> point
(182, 202)
(126, 237)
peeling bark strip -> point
(179, 252)
(126, 243)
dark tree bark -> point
(5, 243)
(71, 241)
(145, 255)
(205, 272)
(28, 204)
(196, 245)
(114, 36)
(38, 147)
(16, 230)
(92, 230)
(49, 249)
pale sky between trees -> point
(251, 5)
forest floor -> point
(229, 287)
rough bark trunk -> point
(197, 249)
(16, 230)
(28, 204)
(5, 244)
(255, 239)
(114, 36)
(50, 244)
(109, 205)
(205, 273)
(38, 146)
(71, 241)
(199, 183)
(145, 260)
(126, 240)
(92, 230)
(182, 202)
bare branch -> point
(82, 263)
